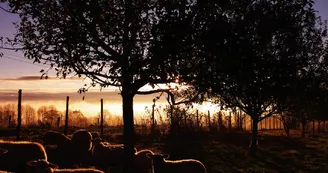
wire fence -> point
(19, 110)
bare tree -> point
(29, 115)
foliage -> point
(113, 43)
(254, 51)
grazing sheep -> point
(142, 163)
(58, 147)
(81, 140)
(55, 138)
(161, 165)
(18, 153)
(63, 157)
(106, 155)
(43, 166)
(77, 150)
(82, 145)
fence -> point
(54, 118)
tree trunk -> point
(303, 129)
(253, 144)
(285, 124)
(153, 118)
(286, 128)
(128, 132)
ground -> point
(228, 152)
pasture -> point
(228, 151)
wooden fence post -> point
(101, 118)
(153, 117)
(19, 114)
(66, 116)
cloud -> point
(90, 97)
(32, 78)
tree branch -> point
(194, 98)
(267, 115)
(7, 10)
(7, 48)
(152, 92)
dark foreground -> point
(228, 152)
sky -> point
(17, 72)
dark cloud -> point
(91, 97)
(31, 78)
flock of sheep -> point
(84, 152)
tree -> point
(304, 98)
(41, 112)
(76, 118)
(107, 117)
(109, 42)
(264, 47)
(29, 115)
(51, 115)
(10, 113)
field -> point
(228, 151)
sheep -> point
(56, 138)
(142, 163)
(82, 140)
(161, 165)
(69, 152)
(62, 147)
(106, 155)
(43, 166)
(82, 145)
(15, 154)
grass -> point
(228, 152)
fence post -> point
(19, 114)
(101, 118)
(153, 117)
(66, 116)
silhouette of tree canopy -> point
(252, 52)
(114, 43)
(306, 95)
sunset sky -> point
(17, 72)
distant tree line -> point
(47, 116)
